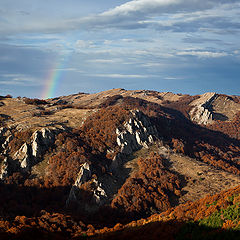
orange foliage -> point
(181, 105)
(230, 128)
(99, 130)
(149, 189)
(19, 139)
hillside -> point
(126, 162)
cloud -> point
(19, 79)
(116, 75)
(173, 78)
(67, 69)
(203, 54)
(84, 44)
(130, 15)
(103, 61)
(162, 6)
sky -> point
(50, 48)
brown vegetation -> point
(151, 189)
(20, 137)
(230, 128)
(99, 130)
(182, 105)
(35, 101)
(7, 96)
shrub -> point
(34, 101)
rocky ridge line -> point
(201, 112)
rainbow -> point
(53, 79)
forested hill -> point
(119, 163)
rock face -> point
(83, 176)
(28, 154)
(138, 132)
(201, 112)
(4, 169)
(2, 131)
(23, 156)
(98, 195)
(7, 141)
(41, 140)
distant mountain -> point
(82, 162)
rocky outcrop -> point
(41, 141)
(83, 176)
(97, 193)
(7, 141)
(138, 132)
(2, 131)
(28, 154)
(23, 156)
(201, 112)
(4, 169)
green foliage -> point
(211, 226)
(211, 204)
(194, 231)
(231, 213)
(213, 221)
(217, 219)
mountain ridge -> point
(117, 155)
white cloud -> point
(153, 65)
(107, 42)
(67, 69)
(162, 6)
(131, 15)
(203, 54)
(116, 75)
(84, 44)
(105, 60)
(173, 78)
(18, 79)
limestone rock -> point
(21, 153)
(30, 154)
(83, 176)
(4, 169)
(138, 132)
(201, 112)
(98, 196)
(41, 140)
(7, 141)
(23, 156)
(2, 131)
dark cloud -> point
(130, 15)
